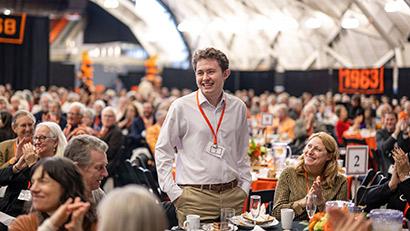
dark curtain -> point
(26, 66)
(62, 74)
(315, 81)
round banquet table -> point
(297, 226)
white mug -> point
(286, 218)
(192, 222)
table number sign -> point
(357, 158)
(12, 28)
(267, 119)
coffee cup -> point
(286, 218)
(192, 222)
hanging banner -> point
(364, 81)
(12, 28)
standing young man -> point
(209, 131)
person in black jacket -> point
(394, 132)
(112, 135)
(396, 192)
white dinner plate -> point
(208, 227)
(242, 222)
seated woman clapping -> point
(395, 192)
(48, 140)
(316, 173)
(58, 199)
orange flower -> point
(316, 218)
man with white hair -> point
(74, 117)
(88, 153)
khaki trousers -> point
(207, 204)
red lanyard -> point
(406, 209)
(207, 120)
(307, 182)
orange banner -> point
(12, 28)
(364, 81)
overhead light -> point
(313, 23)
(350, 22)
(7, 12)
(392, 6)
(111, 4)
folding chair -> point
(266, 198)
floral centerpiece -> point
(319, 222)
(255, 151)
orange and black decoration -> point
(87, 71)
(151, 68)
(364, 81)
(12, 28)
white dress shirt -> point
(186, 129)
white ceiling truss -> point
(271, 34)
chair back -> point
(368, 178)
(266, 198)
(377, 178)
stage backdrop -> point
(26, 65)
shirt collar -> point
(202, 99)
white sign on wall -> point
(357, 158)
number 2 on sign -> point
(357, 158)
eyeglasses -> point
(41, 138)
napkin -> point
(262, 210)
(261, 217)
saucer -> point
(208, 227)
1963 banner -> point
(364, 81)
(12, 28)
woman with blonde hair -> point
(131, 208)
(316, 173)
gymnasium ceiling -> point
(259, 34)
(275, 34)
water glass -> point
(311, 205)
(386, 219)
(255, 206)
(226, 215)
(356, 210)
(344, 205)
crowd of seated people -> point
(137, 115)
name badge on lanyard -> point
(25, 195)
(3, 190)
(213, 148)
